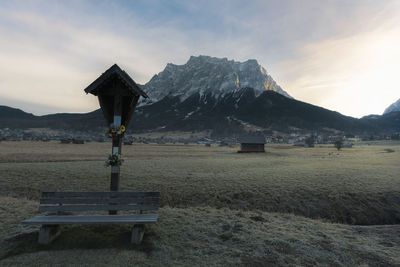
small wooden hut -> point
(78, 141)
(251, 144)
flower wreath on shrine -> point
(115, 130)
(113, 160)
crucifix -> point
(118, 95)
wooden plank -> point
(103, 101)
(117, 109)
(117, 140)
(137, 234)
(114, 183)
(94, 219)
(115, 169)
(48, 233)
(96, 207)
(106, 194)
(144, 200)
(132, 107)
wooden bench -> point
(56, 204)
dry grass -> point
(217, 205)
(12, 212)
(212, 237)
(360, 185)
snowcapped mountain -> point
(219, 96)
(209, 75)
(228, 97)
(393, 107)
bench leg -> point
(48, 233)
(137, 234)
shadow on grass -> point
(80, 237)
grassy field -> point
(288, 206)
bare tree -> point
(339, 144)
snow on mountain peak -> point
(204, 74)
(393, 107)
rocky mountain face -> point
(393, 107)
(243, 110)
(209, 76)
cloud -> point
(354, 74)
(50, 51)
(50, 61)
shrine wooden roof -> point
(115, 72)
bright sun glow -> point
(375, 72)
(356, 75)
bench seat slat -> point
(100, 194)
(94, 219)
(96, 207)
(143, 200)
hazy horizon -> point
(339, 55)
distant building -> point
(78, 141)
(252, 144)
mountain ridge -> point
(228, 115)
(269, 111)
(206, 74)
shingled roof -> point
(113, 71)
(252, 140)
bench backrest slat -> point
(147, 200)
(92, 201)
(100, 194)
(96, 207)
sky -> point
(339, 54)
